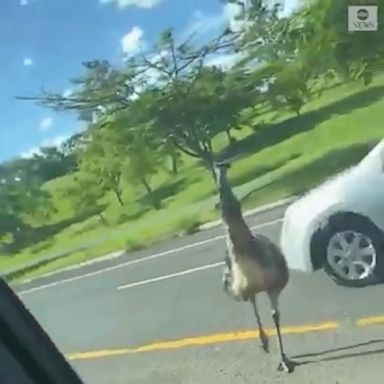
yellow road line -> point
(218, 339)
(202, 340)
(370, 321)
(98, 354)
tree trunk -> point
(345, 72)
(231, 140)
(118, 196)
(174, 164)
(103, 219)
(155, 202)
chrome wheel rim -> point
(351, 255)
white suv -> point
(339, 226)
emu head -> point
(230, 206)
(221, 169)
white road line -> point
(138, 261)
(171, 276)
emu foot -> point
(264, 341)
(286, 365)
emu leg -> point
(285, 364)
(262, 335)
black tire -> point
(357, 224)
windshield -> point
(149, 150)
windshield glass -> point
(149, 150)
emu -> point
(253, 263)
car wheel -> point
(353, 252)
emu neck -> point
(231, 214)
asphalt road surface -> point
(161, 316)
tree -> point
(170, 150)
(194, 109)
(102, 88)
(289, 88)
(48, 163)
(144, 159)
(273, 58)
(176, 96)
(11, 220)
(75, 144)
(34, 201)
(22, 199)
(180, 114)
(232, 91)
(51, 162)
(262, 32)
(101, 159)
(84, 194)
(164, 74)
(137, 147)
(323, 38)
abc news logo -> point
(362, 18)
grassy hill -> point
(280, 155)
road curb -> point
(251, 212)
(107, 257)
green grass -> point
(283, 156)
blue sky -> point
(43, 43)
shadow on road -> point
(323, 358)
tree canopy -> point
(170, 100)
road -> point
(160, 316)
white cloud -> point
(46, 124)
(232, 11)
(202, 24)
(290, 6)
(131, 41)
(68, 92)
(54, 142)
(30, 153)
(27, 62)
(147, 4)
